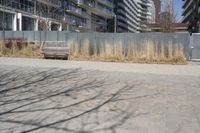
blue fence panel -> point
(8, 34)
(62, 36)
(29, 35)
(43, 36)
(72, 41)
(1, 35)
(52, 36)
(37, 36)
(195, 44)
(18, 35)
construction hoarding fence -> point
(111, 46)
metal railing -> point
(18, 6)
(56, 3)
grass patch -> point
(147, 52)
(20, 49)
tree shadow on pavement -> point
(65, 100)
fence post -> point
(113, 37)
(191, 46)
(65, 42)
(45, 36)
(57, 38)
(40, 38)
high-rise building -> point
(143, 14)
(191, 13)
(72, 15)
(132, 15)
(152, 10)
(157, 4)
(100, 11)
(126, 15)
(166, 5)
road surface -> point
(51, 96)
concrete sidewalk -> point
(53, 96)
(192, 69)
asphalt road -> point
(52, 96)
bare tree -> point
(167, 17)
(49, 11)
(43, 12)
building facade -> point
(157, 4)
(132, 15)
(71, 15)
(152, 10)
(191, 13)
(166, 5)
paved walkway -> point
(52, 96)
(192, 69)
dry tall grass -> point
(147, 52)
(22, 49)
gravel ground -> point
(93, 97)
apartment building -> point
(100, 12)
(76, 18)
(166, 5)
(20, 15)
(191, 13)
(132, 15)
(152, 10)
(71, 15)
(157, 4)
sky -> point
(178, 9)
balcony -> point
(187, 16)
(78, 23)
(54, 3)
(185, 3)
(188, 7)
(96, 9)
(76, 11)
(145, 3)
(106, 3)
(86, 3)
(52, 15)
(103, 12)
(29, 8)
(55, 16)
